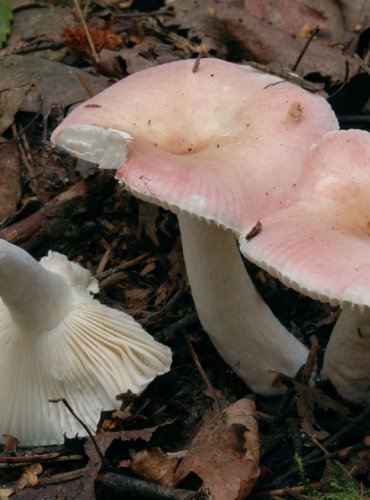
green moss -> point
(338, 485)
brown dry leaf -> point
(155, 465)
(6, 493)
(293, 15)
(205, 31)
(104, 441)
(308, 399)
(10, 182)
(40, 24)
(145, 54)
(225, 452)
(266, 44)
(29, 476)
(56, 82)
(11, 443)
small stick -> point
(289, 77)
(203, 374)
(82, 423)
(310, 362)
(196, 63)
(85, 84)
(314, 32)
(344, 83)
(87, 33)
(124, 486)
(313, 455)
(63, 476)
(332, 459)
(283, 491)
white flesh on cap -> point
(241, 326)
(56, 341)
(227, 144)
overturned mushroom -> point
(57, 341)
(220, 147)
(319, 244)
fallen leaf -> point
(154, 465)
(29, 476)
(45, 23)
(225, 452)
(310, 398)
(267, 44)
(145, 54)
(56, 82)
(6, 493)
(11, 443)
(205, 30)
(292, 15)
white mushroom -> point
(220, 147)
(57, 341)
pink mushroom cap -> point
(225, 143)
(319, 242)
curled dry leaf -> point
(225, 452)
(29, 476)
(11, 443)
(155, 465)
(6, 493)
(312, 398)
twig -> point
(82, 423)
(21, 231)
(203, 374)
(344, 83)
(196, 63)
(287, 76)
(121, 267)
(137, 488)
(85, 84)
(63, 476)
(327, 456)
(314, 32)
(310, 362)
(308, 459)
(282, 491)
(353, 118)
(87, 33)
(172, 301)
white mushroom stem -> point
(347, 356)
(241, 326)
(37, 299)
